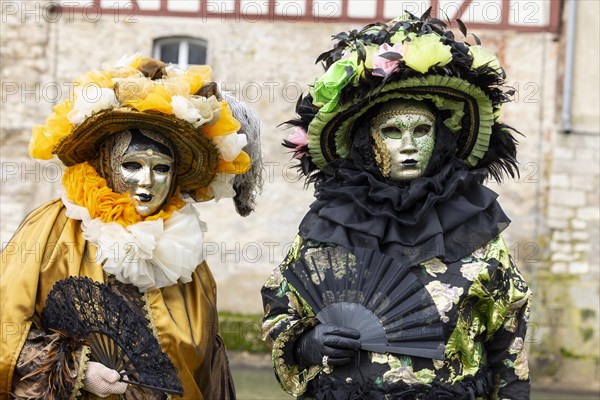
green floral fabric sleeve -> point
(505, 348)
(286, 317)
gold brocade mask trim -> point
(381, 153)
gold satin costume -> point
(48, 246)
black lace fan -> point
(372, 293)
(118, 337)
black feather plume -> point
(501, 156)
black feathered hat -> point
(414, 59)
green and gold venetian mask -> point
(404, 138)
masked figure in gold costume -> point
(141, 141)
(399, 284)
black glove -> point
(338, 343)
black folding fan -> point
(118, 337)
(372, 293)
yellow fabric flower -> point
(45, 137)
(40, 145)
(225, 125)
(135, 63)
(87, 189)
(175, 86)
(101, 79)
(198, 75)
(158, 99)
(238, 166)
(134, 88)
(426, 51)
(58, 123)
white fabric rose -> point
(185, 109)
(89, 100)
(230, 146)
(222, 187)
(209, 108)
(196, 110)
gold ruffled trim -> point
(83, 359)
(149, 316)
(293, 379)
(151, 322)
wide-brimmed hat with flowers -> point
(407, 58)
(144, 93)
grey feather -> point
(247, 186)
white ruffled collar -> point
(148, 254)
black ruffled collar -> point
(448, 215)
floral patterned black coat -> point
(483, 303)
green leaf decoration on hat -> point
(327, 89)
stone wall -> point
(565, 349)
(553, 204)
(565, 346)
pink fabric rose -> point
(300, 139)
(386, 64)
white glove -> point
(102, 381)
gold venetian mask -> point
(404, 138)
(139, 163)
(147, 176)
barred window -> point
(184, 51)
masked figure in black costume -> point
(399, 284)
